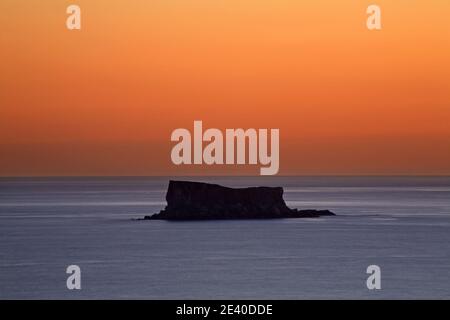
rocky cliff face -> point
(199, 201)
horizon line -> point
(225, 176)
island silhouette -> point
(189, 200)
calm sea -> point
(401, 224)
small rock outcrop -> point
(201, 201)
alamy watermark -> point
(73, 282)
(374, 280)
(227, 148)
(374, 19)
(73, 21)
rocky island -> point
(188, 200)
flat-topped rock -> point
(188, 200)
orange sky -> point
(104, 100)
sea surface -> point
(401, 224)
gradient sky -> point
(104, 100)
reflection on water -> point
(400, 224)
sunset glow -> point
(104, 100)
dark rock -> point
(200, 201)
